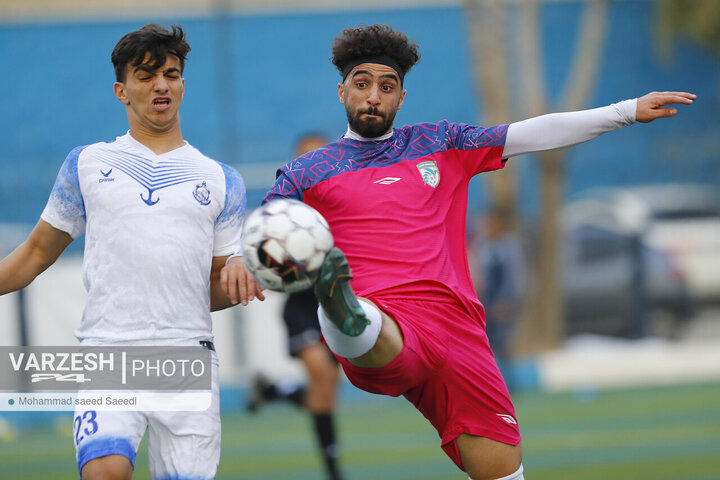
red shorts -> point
(446, 369)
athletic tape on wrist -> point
(238, 254)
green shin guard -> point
(336, 297)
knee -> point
(516, 475)
(321, 394)
(322, 372)
(503, 469)
(486, 459)
(110, 467)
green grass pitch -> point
(662, 433)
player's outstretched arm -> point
(232, 284)
(560, 130)
(42, 247)
(655, 105)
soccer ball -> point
(284, 244)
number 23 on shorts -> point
(85, 424)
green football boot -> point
(336, 297)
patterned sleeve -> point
(286, 185)
(228, 225)
(65, 209)
(485, 145)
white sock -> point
(347, 346)
(518, 475)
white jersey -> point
(152, 224)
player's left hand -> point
(652, 105)
(238, 283)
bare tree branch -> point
(586, 61)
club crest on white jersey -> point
(202, 194)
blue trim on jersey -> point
(406, 144)
(101, 447)
(233, 212)
(66, 194)
(154, 176)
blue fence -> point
(254, 83)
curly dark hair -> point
(374, 40)
(152, 38)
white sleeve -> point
(559, 130)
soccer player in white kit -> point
(161, 220)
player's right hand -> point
(238, 283)
(654, 105)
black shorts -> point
(300, 316)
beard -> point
(370, 127)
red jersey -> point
(397, 208)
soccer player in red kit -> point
(409, 322)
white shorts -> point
(180, 444)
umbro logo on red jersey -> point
(387, 180)
(507, 418)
